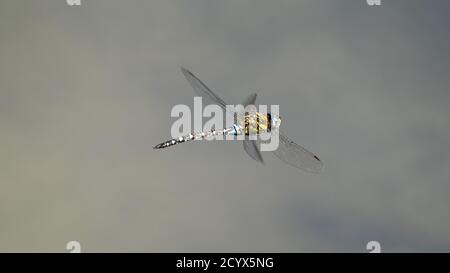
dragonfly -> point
(249, 123)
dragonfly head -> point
(275, 121)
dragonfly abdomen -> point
(174, 141)
(234, 130)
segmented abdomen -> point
(201, 135)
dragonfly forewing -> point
(201, 89)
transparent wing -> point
(297, 156)
(201, 89)
(250, 100)
(251, 148)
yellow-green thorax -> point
(257, 123)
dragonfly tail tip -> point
(157, 147)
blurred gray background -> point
(86, 92)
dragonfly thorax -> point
(258, 123)
(275, 121)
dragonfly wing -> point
(297, 156)
(249, 105)
(251, 148)
(250, 100)
(201, 89)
